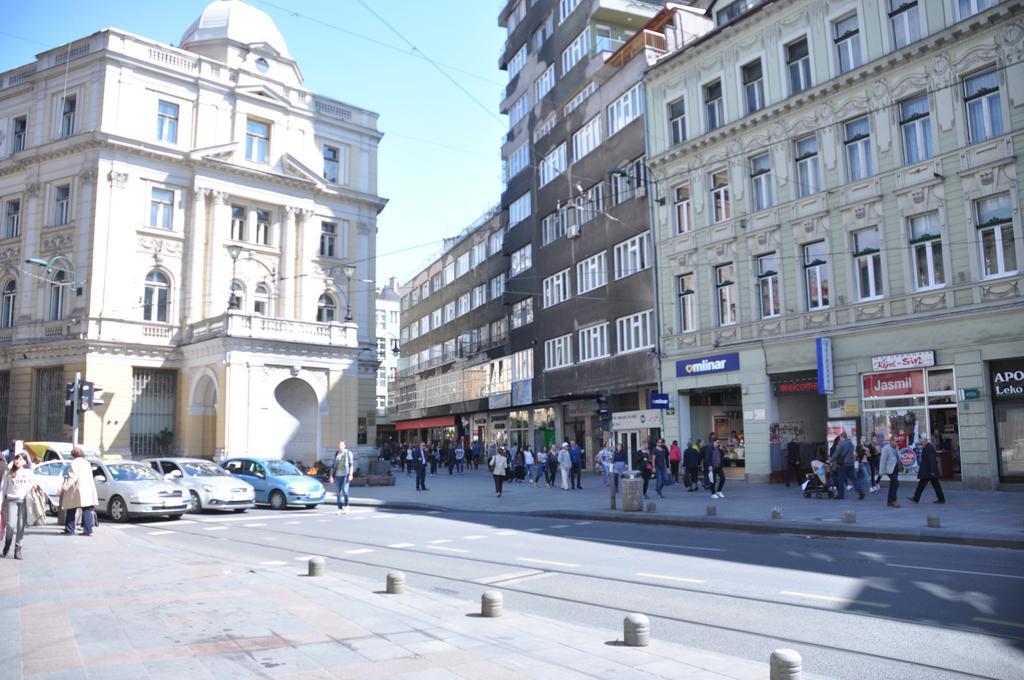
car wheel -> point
(197, 504)
(278, 501)
(118, 511)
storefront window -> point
(543, 428)
(518, 428)
(1007, 385)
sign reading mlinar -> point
(716, 364)
(894, 384)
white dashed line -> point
(559, 526)
(257, 524)
(552, 563)
(293, 522)
(444, 547)
(215, 528)
(273, 563)
(665, 577)
(488, 580)
(505, 533)
(440, 541)
(535, 529)
(998, 622)
(833, 598)
(304, 558)
(159, 533)
(956, 571)
(433, 512)
(359, 551)
(402, 545)
(473, 537)
(582, 524)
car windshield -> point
(280, 468)
(204, 469)
(132, 472)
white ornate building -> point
(179, 182)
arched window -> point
(326, 309)
(237, 295)
(261, 300)
(10, 296)
(57, 287)
(156, 299)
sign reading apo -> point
(1007, 379)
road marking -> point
(433, 512)
(670, 578)
(359, 551)
(241, 518)
(402, 545)
(293, 522)
(159, 533)
(582, 524)
(833, 598)
(559, 526)
(304, 557)
(504, 533)
(184, 521)
(474, 537)
(998, 622)
(534, 577)
(256, 524)
(444, 547)
(440, 541)
(488, 580)
(657, 545)
(535, 529)
(548, 562)
(956, 571)
(273, 563)
(215, 528)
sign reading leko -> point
(895, 384)
(888, 362)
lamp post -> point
(234, 251)
(348, 270)
(58, 260)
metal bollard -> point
(491, 604)
(316, 566)
(711, 510)
(933, 522)
(636, 630)
(786, 664)
(776, 513)
(651, 507)
(850, 517)
(396, 583)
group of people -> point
(521, 464)
(453, 454)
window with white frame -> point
(721, 203)
(237, 223)
(625, 109)
(497, 286)
(753, 86)
(632, 256)
(62, 204)
(12, 218)
(517, 160)
(586, 139)
(687, 302)
(904, 22)
(544, 31)
(465, 304)
(994, 220)
(449, 312)
(725, 287)
(58, 286)
(161, 208)
(576, 50)
(328, 238)
(425, 324)
(478, 254)
(448, 273)
(522, 313)
(798, 65)
(593, 342)
(260, 300)
(984, 113)
(425, 290)
(768, 285)
(516, 16)
(335, 164)
(494, 242)
(462, 265)
(590, 204)
(916, 129)
(926, 251)
(263, 227)
(635, 332)
(808, 166)
(565, 8)
(761, 181)
(846, 37)
(556, 288)
(8, 304)
(519, 210)
(558, 352)
(415, 295)
(517, 62)
(591, 273)
(968, 8)
(544, 127)
(68, 109)
(857, 141)
(816, 275)
(167, 122)
(156, 297)
(257, 141)
(867, 260)
(521, 260)
(732, 11)
(553, 164)
(543, 84)
(714, 108)
(437, 282)
(19, 135)
(681, 202)
(552, 228)
(677, 121)
(518, 110)
(479, 295)
(580, 97)
(437, 318)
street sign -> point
(657, 400)
(670, 411)
(970, 393)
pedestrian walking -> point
(528, 461)
(342, 471)
(79, 492)
(793, 461)
(661, 469)
(707, 456)
(718, 469)
(576, 458)
(675, 459)
(552, 471)
(421, 468)
(498, 463)
(540, 466)
(874, 462)
(890, 465)
(646, 468)
(519, 473)
(843, 458)
(863, 466)
(691, 465)
(18, 484)
(460, 457)
(928, 471)
(408, 460)
(564, 465)
(606, 457)
(476, 452)
(620, 461)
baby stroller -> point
(818, 483)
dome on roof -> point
(235, 21)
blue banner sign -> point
(826, 381)
(704, 365)
(657, 400)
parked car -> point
(50, 477)
(127, 489)
(278, 483)
(210, 486)
(41, 452)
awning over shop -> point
(423, 423)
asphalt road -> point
(854, 608)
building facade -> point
(203, 215)
(388, 324)
(841, 247)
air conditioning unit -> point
(572, 231)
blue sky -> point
(439, 164)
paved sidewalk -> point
(983, 518)
(120, 605)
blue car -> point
(277, 483)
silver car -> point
(50, 478)
(128, 489)
(210, 486)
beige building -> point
(215, 216)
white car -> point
(210, 486)
(128, 488)
(50, 477)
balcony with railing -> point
(237, 325)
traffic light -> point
(70, 400)
(90, 394)
(603, 410)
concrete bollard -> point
(636, 630)
(316, 566)
(651, 507)
(776, 513)
(491, 604)
(933, 522)
(786, 664)
(632, 494)
(396, 583)
(711, 511)
(850, 517)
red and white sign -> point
(887, 362)
(895, 384)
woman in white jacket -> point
(19, 481)
(499, 465)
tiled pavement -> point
(120, 605)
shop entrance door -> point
(630, 440)
(945, 430)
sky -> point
(439, 162)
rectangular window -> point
(867, 259)
(984, 114)
(761, 181)
(436, 318)
(632, 256)
(328, 238)
(580, 97)
(721, 204)
(816, 275)
(552, 228)
(425, 290)
(768, 285)
(167, 122)
(590, 204)
(522, 313)
(68, 107)
(684, 220)
(576, 50)
(462, 265)
(237, 223)
(586, 139)
(846, 36)
(449, 312)
(558, 352)
(625, 109)
(479, 295)
(161, 208)
(448, 272)
(436, 282)
(969, 8)
(497, 285)
(545, 126)
(553, 164)
(857, 140)
(521, 260)
(687, 303)
(798, 65)
(494, 242)
(565, 8)
(544, 83)
(916, 128)
(713, 106)
(544, 31)
(154, 397)
(635, 332)
(518, 110)
(926, 251)
(725, 286)
(62, 204)
(677, 121)
(994, 219)
(629, 183)
(465, 303)
(20, 137)
(906, 27)
(556, 288)
(753, 86)
(257, 141)
(732, 11)
(591, 273)
(517, 161)
(808, 168)
(263, 227)
(519, 210)
(478, 254)
(330, 163)
(593, 342)
(517, 62)
(12, 218)
(415, 296)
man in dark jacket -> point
(691, 462)
(660, 466)
(576, 456)
(843, 458)
(707, 456)
(928, 471)
(793, 460)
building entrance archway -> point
(295, 421)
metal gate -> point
(154, 395)
(5, 407)
(49, 411)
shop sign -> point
(887, 362)
(969, 393)
(895, 384)
(715, 364)
(503, 400)
(1007, 381)
(522, 392)
(636, 420)
(657, 400)
(826, 379)
(802, 385)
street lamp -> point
(348, 270)
(64, 262)
(234, 251)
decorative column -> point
(217, 284)
(309, 285)
(196, 236)
(285, 284)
